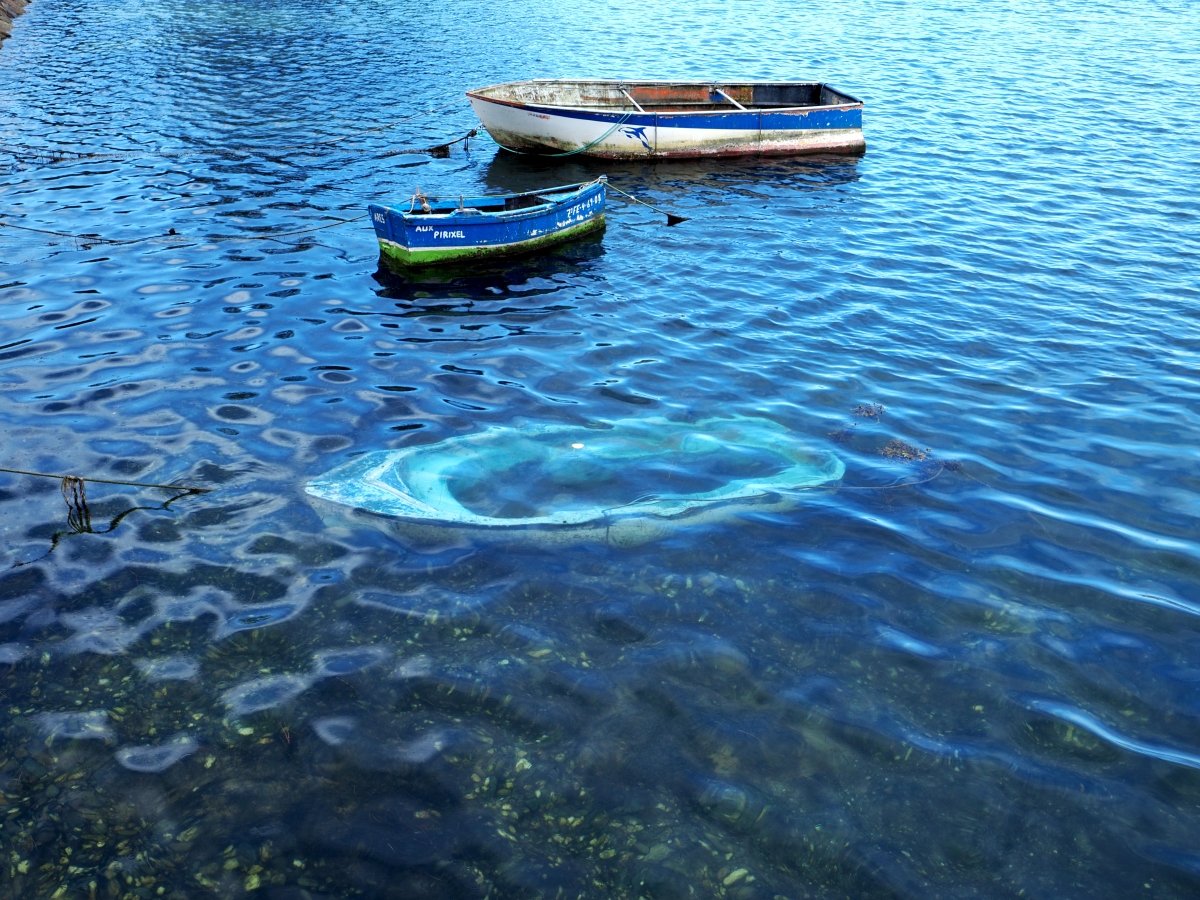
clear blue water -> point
(982, 685)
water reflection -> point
(153, 759)
(456, 289)
(505, 172)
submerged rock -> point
(9, 10)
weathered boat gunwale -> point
(648, 117)
(650, 108)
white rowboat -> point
(669, 119)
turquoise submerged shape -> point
(572, 475)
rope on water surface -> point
(437, 150)
(88, 239)
(142, 484)
(588, 146)
(272, 237)
(672, 218)
(382, 127)
(79, 516)
(49, 156)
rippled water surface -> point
(970, 668)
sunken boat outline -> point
(417, 499)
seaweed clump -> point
(870, 411)
(898, 449)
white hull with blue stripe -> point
(640, 119)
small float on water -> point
(623, 482)
(437, 230)
(672, 119)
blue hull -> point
(445, 230)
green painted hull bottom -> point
(405, 257)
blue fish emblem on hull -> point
(638, 133)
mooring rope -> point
(437, 151)
(672, 218)
(49, 156)
(87, 240)
(79, 516)
(587, 146)
(382, 127)
(54, 157)
(142, 484)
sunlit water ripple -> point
(981, 684)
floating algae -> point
(624, 482)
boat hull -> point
(564, 484)
(409, 239)
(540, 127)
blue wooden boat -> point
(669, 119)
(436, 230)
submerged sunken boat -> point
(621, 482)
(437, 230)
(632, 119)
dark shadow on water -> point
(485, 281)
(512, 172)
